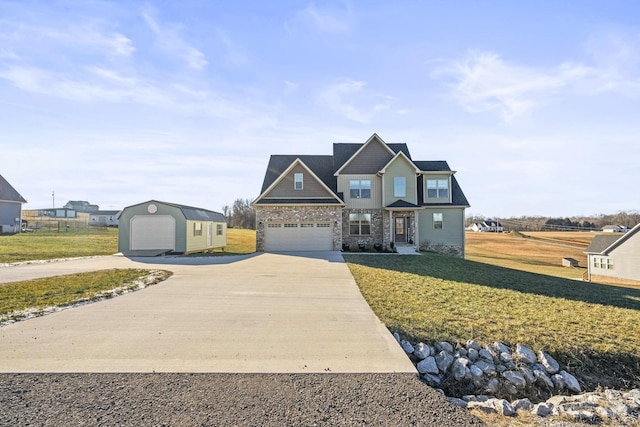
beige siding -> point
(201, 241)
(375, 202)
(373, 157)
(311, 187)
(400, 167)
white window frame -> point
(298, 181)
(441, 186)
(357, 219)
(438, 220)
(399, 186)
(356, 188)
(219, 230)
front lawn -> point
(592, 329)
(37, 295)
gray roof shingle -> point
(601, 242)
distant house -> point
(58, 213)
(153, 228)
(487, 226)
(81, 206)
(10, 208)
(615, 255)
(104, 218)
(615, 229)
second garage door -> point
(306, 236)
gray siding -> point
(124, 226)
(400, 167)
(311, 187)
(626, 260)
(450, 236)
(9, 211)
(373, 157)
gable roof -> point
(344, 153)
(400, 154)
(321, 168)
(605, 243)
(8, 193)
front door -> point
(401, 229)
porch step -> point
(406, 250)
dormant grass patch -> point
(591, 328)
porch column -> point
(416, 230)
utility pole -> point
(53, 196)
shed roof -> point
(193, 213)
(8, 193)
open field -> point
(541, 253)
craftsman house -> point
(615, 255)
(10, 208)
(367, 195)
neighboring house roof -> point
(492, 223)
(192, 213)
(605, 243)
(8, 193)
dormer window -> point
(437, 188)
(297, 181)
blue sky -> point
(536, 104)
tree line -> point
(576, 223)
(240, 214)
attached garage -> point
(293, 236)
(153, 228)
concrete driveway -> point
(275, 313)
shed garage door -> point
(311, 236)
(153, 232)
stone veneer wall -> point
(376, 236)
(441, 248)
(389, 237)
(298, 214)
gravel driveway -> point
(224, 400)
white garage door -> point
(310, 236)
(153, 232)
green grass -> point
(44, 245)
(51, 245)
(592, 329)
(39, 294)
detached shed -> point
(153, 228)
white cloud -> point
(344, 96)
(323, 20)
(170, 40)
(485, 82)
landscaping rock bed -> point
(495, 379)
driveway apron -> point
(265, 313)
